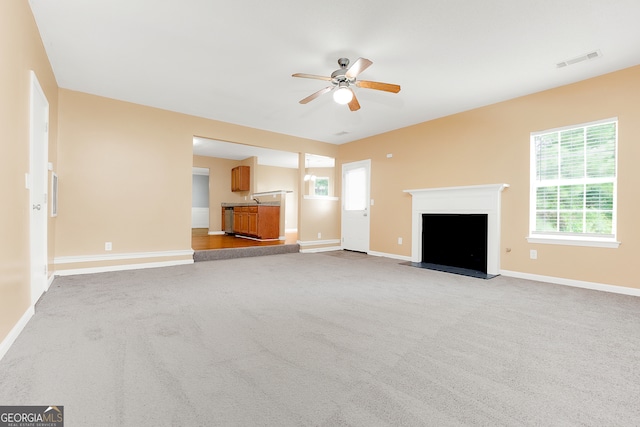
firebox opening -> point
(455, 243)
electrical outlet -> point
(107, 246)
(533, 254)
(319, 235)
(399, 240)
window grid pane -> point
(547, 156)
(601, 151)
(572, 154)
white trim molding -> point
(318, 242)
(573, 241)
(15, 331)
(387, 255)
(272, 193)
(50, 280)
(123, 267)
(216, 233)
(120, 257)
(335, 242)
(200, 171)
(324, 249)
(473, 199)
(574, 283)
(314, 197)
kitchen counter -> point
(233, 205)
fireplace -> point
(461, 212)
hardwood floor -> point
(201, 240)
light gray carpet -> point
(334, 339)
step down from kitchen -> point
(229, 253)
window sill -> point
(309, 197)
(574, 241)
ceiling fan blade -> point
(354, 105)
(315, 95)
(311, 76)
(357, 67)
(387, 87)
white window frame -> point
(570, 239)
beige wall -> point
(122, 178)
(491, 145)
(21, 51)
(320, 216)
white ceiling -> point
(232, 61)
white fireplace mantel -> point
(474, 199)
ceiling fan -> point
(341, 81)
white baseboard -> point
(318, 242)
(120, 257)
(15, 331)
(50, 281)
(324, 249)
(394, 256)
(574, 283)
(122, 267)
(216, 233)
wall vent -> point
(586, 57)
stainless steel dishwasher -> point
(228, 219)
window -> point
(573, 185)
(355, 189)
(321, 186)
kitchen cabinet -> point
(262, 222)
(241, 178)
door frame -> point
(37, 184)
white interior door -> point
(37, 183)
(356, 178)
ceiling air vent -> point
(341, 133)
(586, 57)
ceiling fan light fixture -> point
(342, 95)
(342, 80)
